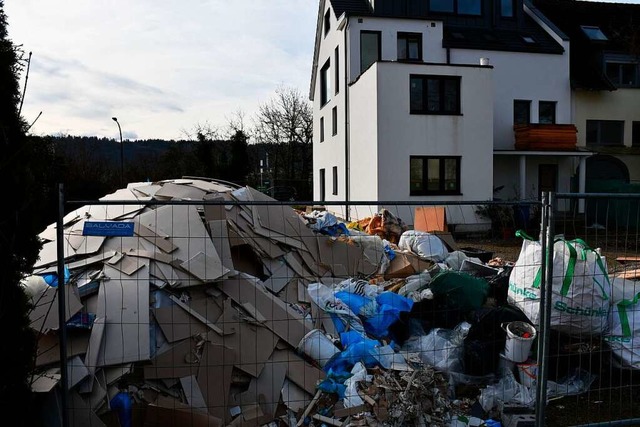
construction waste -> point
(194, 302)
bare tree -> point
(285, 125)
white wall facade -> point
(527, 76)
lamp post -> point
(115, 119)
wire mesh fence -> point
(196, 302)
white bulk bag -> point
(425, 245)
(624, 333)
(580, 286)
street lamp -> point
(115, 119)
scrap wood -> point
(327, 420)
(309, 408)
(626, 259)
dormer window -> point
(594, 33)
(458, 7)
(507, 8)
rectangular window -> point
(635, 134)
(521, 112)
(434, 94)
(547, 112)
(459, 7)
(335, 180)
(325, 83)
(321, 129)
(605, 132)
(327, 21)
(334, 121)
(336, 68)
(322, 185)
(622, 74)
(434, 175)
(369, 48)
(506, 8)
(409, 47)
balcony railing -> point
(535, 136)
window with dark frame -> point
(370, 49)
(521, 112)
(635, 134)
(547, 112)
(325, 83)
(336, 68)
(429, 94)
(335, 181)
(409, 47)
(321, 129)
(507, 8)
(458, 7)
(605, 132)
(321, 178)
(622, 74)
(434, 175)
(327, 22)
(334, 121)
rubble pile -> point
(223, 307)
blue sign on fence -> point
(108, 228)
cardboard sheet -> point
(181, 360)
(124, 302)
(430, 218)
(214, 378)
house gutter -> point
(347, 161)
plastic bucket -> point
(528, 373)
(317, 346)
(520, 336)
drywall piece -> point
(303, 294)
(294, 397)
(283, 320)
(214, 378)
(195, 314)
(220, 238)
(301, 372)
(127, 264)
(179, 192)
(121, 194)
(122, 244)
(44, 315)
(113, 373)
(205, 267)
(99, 258)
(45, 381)
(215, 212)
(49, 233)
(49, 253)
(184, 225)
(294, 260)
(124, 302)
(49, 347)
(76, 370)
(170, 412)
(281, 274)
(83, 245)
(81, 414)
(148, 190)
(181, 360)
(264, 390)
(210, 187)
(192, 393)
(177, 324)
(254, 344)
(162, 242)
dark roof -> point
(620, 23)
(514, 40)
(350, 7)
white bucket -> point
(520, 336)
(528, 373)
(316, 345)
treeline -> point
(91, 167)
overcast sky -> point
(160, 66)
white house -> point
(416, 100)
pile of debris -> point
(225, 307)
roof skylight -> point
(594, 33)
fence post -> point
(546, 284)
(62, 318)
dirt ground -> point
(615, 394)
